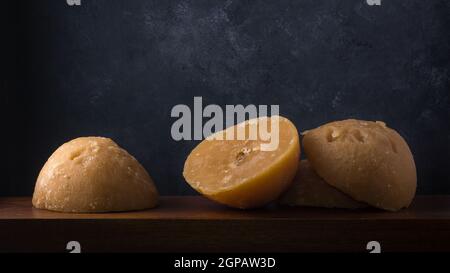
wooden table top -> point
(195, 224)
(197, 207)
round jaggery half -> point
(93, 174)
(366, 160)
(241, 173)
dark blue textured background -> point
(116, 68)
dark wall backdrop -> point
(116, 68)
